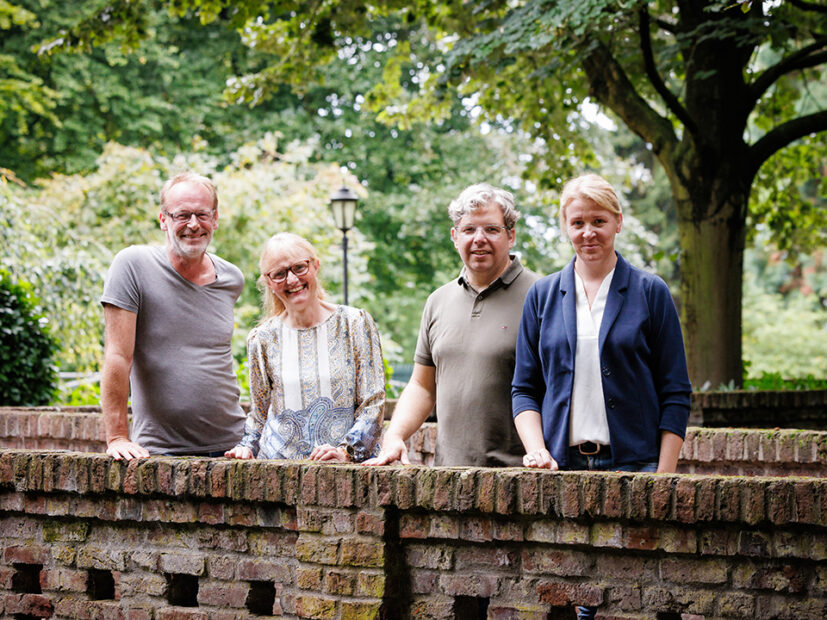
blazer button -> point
(611, 403)
(606, 371)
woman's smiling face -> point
(280, 267)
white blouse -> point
(587, 417)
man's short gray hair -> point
(480, 194)
(191, 177)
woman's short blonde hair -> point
(270, 304)
(591, 186)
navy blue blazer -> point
(645, 381)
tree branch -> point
(808, 56)
(784, 135)
(611, 87)
(654, 77)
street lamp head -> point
(343, 205)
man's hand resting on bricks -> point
(120, 448)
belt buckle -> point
(596, 450)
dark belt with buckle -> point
(589, 448)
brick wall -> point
(84, 536)
(751, 452)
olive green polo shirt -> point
(470, 337)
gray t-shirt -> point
(470, 338)
(184, 392)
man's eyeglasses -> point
(491, 231)
(185, 216)
(299, 269)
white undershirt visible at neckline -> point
(587, 416)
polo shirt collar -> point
(508, 276)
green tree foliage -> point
(59, 110)
(27, 372)
(715, 88)
(62, 235)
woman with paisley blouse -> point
(317, 381)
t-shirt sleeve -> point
(423, 354)
(120, 286)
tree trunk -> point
(711, 279)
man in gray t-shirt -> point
(464, 358)
(169, 324)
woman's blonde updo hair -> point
(591, 186)
(271, 305)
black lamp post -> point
(343, 206)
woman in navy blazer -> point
(637, 421)
(600, 380)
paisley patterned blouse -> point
(324, 384)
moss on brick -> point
(54, 531)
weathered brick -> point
(360, 610)
(752, 543)
(338, 582)
(552, 562)
(469, 585)
(466, 490)
(429, 556)
(506, 529)
(33, 605)
(572, 533)
(780, 578)
(660, 498)
(424, 582)
(345, 486)
(678, 540)
(309, 578)
(591, 485)
(752, 501)
(484, 557)
(718, 542)
(370, 584)
(477, 529)
(570, 503)
(182, 563)
(317, 550)
(315, 607)
(404, 492)
(486, 490)
(222, 593)
(560, 593)
(241, 514)
(26, 554)
(414, 526)
(685, 570)
(339, 522)
(444, 526)
(363, 553)
(425, 487)
(64, 580)
(326, 486)
(92, 556)
(262, 570)
(221, 567)
(370, 523)
(606, 535)
(735, 605)
(142, 583)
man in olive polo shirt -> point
(464, 358)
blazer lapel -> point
(614, 302)
(569, 306)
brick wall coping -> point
(80, 428)
(679, 498)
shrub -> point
(27, 373)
